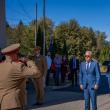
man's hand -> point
(81, 87)
(96, 87)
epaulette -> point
(18, 64)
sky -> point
(90, 13)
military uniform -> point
(12, 80)
(41, 63)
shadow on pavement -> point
(52, 97)
(63, 95)
(104, 89)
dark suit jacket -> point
(71, 64)
(108, 71)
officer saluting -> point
(13, 74)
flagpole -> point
(50, 46)
(44, 39)
(36, 24)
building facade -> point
(2, 24)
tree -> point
(49, 30)
(67, 38)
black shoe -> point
(38, 103)
(76, 85)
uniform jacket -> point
(12, 77)
(41, 64)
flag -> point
(51, 43)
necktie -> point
(87, 68)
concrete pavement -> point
(69, 98)
(59, 100)
(103, 104)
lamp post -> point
(3, 38)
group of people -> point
(89, 75)
(62, 69)
(14, 72)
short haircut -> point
(89, 52)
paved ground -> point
(69, 98)
(76, 104)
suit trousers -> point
(90, 94)
(57, 76)
(74, 77)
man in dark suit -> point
(89, 78)
(74, 66)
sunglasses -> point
(87, 56)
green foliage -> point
(68, 38)
(104, 54)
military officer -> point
(13, 74)
(41, 63)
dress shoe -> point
(38, 103)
